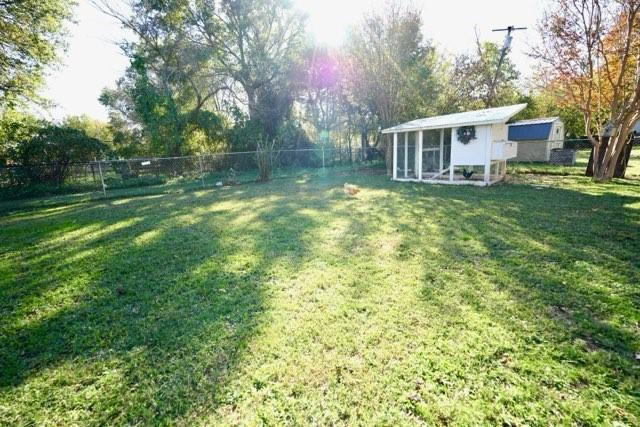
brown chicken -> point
(350, 189)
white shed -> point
(462, 148)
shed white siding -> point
(475, 152)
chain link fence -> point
(543, 151)
(578, 144)
(158, 174)
(584, 144)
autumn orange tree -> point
(590, 55)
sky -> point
(94, 61)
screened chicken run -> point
(461, 148)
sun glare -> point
(328, 21)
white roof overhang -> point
(488, 116)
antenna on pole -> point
(503, 53)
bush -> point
(265, 156)
(291, 136)
(49, 155)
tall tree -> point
(470, 82)
(259, 44)
(322, 98)
(590, 54)
(390, 68)
(171, 86)
(31, 33)
(390, 64)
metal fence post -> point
(201, 170)
(104, 187)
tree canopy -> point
(31, 34)
(230, 72)
(223, 75)
(590, 56)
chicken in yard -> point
(350, 189)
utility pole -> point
(503, 53)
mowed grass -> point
(578, 169)
(290, 303)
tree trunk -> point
(605, 164)
(364, 141)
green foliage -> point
(94, 128)
(573, 121)
(169, 120)
(291, 136)
(244, 133)
(163, 105)
(189, 57)
(31, 31)
(49, 154)
(16, 126)
(258, 44)
(470, 80)
(391, 70)
(287, 303)
(164, 123)
(542, 105)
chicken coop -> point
(461, 148)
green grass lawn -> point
(289, 303)
(582, 159)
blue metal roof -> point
(529, 132)
(535, 121)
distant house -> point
(536, 138)
(462, 148)
(635, 130)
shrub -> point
(50, 153)
(265, 157)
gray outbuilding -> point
(536, 138)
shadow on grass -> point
(163, 295)
(170, 291)
(566, 258)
